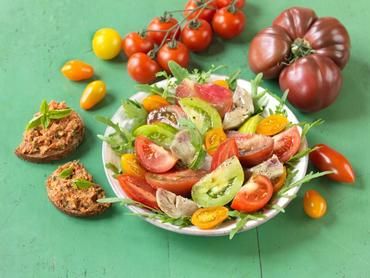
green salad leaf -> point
(66, 173)
(242, 219)
(178, 72)
(134, 111)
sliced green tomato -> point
(251, 124)
(201, 113)
(160, 133)
(220, 186)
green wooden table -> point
(36, 240)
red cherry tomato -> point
(224, 3)
(197, 35)
(325, 158)
(254, 195)
(142, 68)
(138, 190)
(178, 182)
(159, 26)
(207, 13)
(253, 148)
(287, 143)
(152, 157)
(228, 24)
(135, 42)
(173, 51)
(226, 150)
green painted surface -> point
(36, 240)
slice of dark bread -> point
(60, 139)
(68, 198)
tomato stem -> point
(232, 7)
(301, 48)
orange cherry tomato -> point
(222, 83)
(272, 125)
(279, 182)
(154, 102)
(208, 218)
(93, 94)
(314, 204)
(130, 165)
(77, 70)
(213, 139)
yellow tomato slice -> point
(130, 165)
(154, 102)
(208, 218)
(272, 125)
(93, 94)
(213, 139)
(222, 83)
(279, 182)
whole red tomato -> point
(142, 68)
(158, 27)
(224, 3)
(175, 51)
(135, 42)
(202, 13)
(307, 53)
(197, 35)
(325, 158)
(228, 22)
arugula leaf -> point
(178, 72)
(203, 76)
(66, 173)
(82, 184)
(292, 162)
(181, 222)
(307, 126)
(232, 80)
(113, 168)
(256, 96)
(242, 220)
(135, 111)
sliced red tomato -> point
(287, 143)
(152, 157)
(226, 150)
(178, 182)
(254, 195)
(253, 148)
(138, 190)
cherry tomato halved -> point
(272, 125)
(134, 43)
(213, 139)
(207, 13)
(325, 158)
(154, 102)
(152, 157)
(93, 94)
(228, 24)
(173, 51)
(314, 204)
(138, 190)
(197, 35)
(226, 150)
(131, 166)
(77, 70)
(142, 68)
(254, 195)
(178, 182)
(208, 218)
(159, 26)
(287, 143)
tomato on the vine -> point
(224, 3)
(173, 51)
(197, 35)
(159, 25)
(135, 42)
(142, 68)
(205, 13)
(228, 22)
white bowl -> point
(225, 228)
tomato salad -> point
(203, 152)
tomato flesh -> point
(254, 195)
(225, 151)
(170, 115)
(287, 143)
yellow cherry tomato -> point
(314, 204)
(222, 83)
(279, 181)
(93, 94)
(106, 43)
(213, 139)
(77, 70)
(272, 125)
(130, 165)
(208, 218)
(154, 102)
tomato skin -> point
(254, 195)
(325, 158)
(77, 70)
(314, 204)
(227, 24)
(224, 3)
(272, 125)
(178, 53)
(135, 43)
(142, 68)
(206, 14)
(161, 24)
(208, 218)
(197, 36)
(226, 150)
(287, 143)
(138, 190)
(213, 139)
(178, 182)
(130, 165)
(106, 43)
(93, 94)
(154, 102)
(153, 157)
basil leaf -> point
(66, 173)
(45, 121)
(82, 184)
(35, 122)
(44, 107)
(59, 114)
(178, 72)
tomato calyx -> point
(165, 17)
(172, 44)
(300, 48)
(194, 24)
(232, 7)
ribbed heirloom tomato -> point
(197, 35)
(173, 51)
(228, 22)
(135, 42)
(142, 68)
